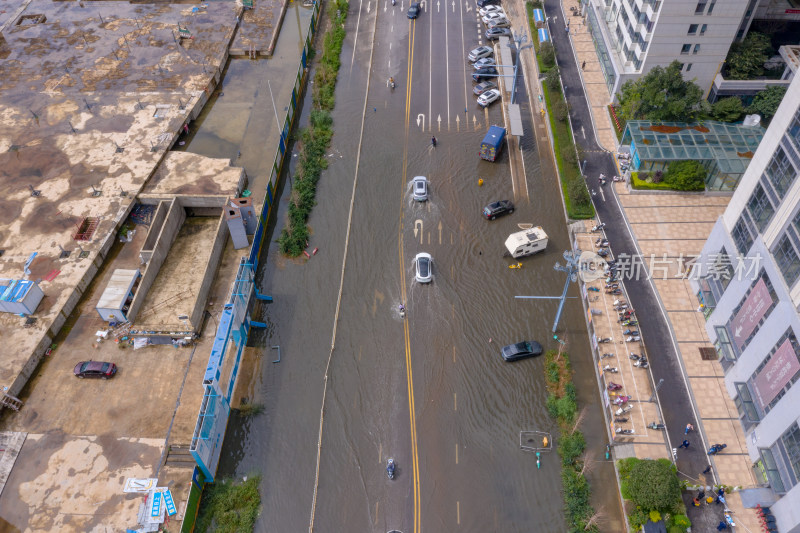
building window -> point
(791, 442)
(745, 405)
(703, 29)
(692, 29)
(710, 8)
(787, 260)
(771, 470)
(696, 48)
(723, 344)
(741, 235)
(701, 6)
(781, 172)
(794, 129)
(688, 67)
(760, 207)
(685, 48)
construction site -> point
(115, 247)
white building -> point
(750, 285)
(633, 36)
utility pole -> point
(571, 269)
(516, 43)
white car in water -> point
(424, 264)
(420, 187)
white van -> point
(526, 242)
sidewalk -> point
(666, 226)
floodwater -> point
(429, 390)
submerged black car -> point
(521, 350)
(497, 209)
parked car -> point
(499, 23)
(480, 53)
(420, 187)
(488, 97)
(521, 350)
(413, 11)
(482, 3)
(483, 87)
(95, 369)
(486, 73)
(485, 10)
(496, 33)
(498, 209)
(483, 63)
(487, 18)
(424, 264)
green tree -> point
(728, 109)
(662, 95)
(687, 175)
(746, 58)
(547, 54)
(560, 109)
(551, 79)
(652, 485)
(767, 101)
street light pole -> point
(516, 43)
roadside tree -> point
(767, 101)
(727, 109)
(651, 484)
(547, 54)
(551, 79)
(746, 59)
(662, 95)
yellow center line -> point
(406, 334)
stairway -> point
(179, 456)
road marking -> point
(359, 353)
(458, 512)
(456, 453)
(454, 354)
(463, 49)
(376, 510)
(447, 62)
(455, 408)
(418, 222)
(486, 114)
(355, 40)
(458, 122)
(439, 117)
(430, 74)
(407, 336)
(421, 117)
(440, 232)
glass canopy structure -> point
(724, 149)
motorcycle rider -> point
(390, 468)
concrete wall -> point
(196, 318)
(152, 233)
(172, 225)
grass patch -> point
(251, 409)
(228, 506)
(315, 139)
(648, 185)
(563, 406)
(573, 187)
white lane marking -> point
(355, 40)
(430, 74)
(464, 51)
(447, 62)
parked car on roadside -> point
(482, 3)
(490, 96)
(95, 369)
(499, 23)
(482, 87)
(485, 10)
(483, 63)
(488, 17)
(487, 73)
(496, 33)
(480, 52)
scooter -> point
(599, 227)
(618, 178)
(390, 468)
(631, 332)
(636, 356)
(602, 252)
(620, 301)
(605, 340)
(621, 400)
(622, 410)
(518, 265)
(608, 452)
(657, 426)
(642, 363)
(624, 431)
(593, 289)
(601, 242)
(538, 460)
(633, 338)
(613, 386)
(621, 307)
(614, 291)
(620, 419)
(630, 322)
(596, 312)
(716, 448)
(605, 355)
(611, 369)
(402, 311)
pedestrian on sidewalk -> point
(722, 525)
(689, 428)
(684, 444)
(583, 65)
(707, 470)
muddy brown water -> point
(469, 406)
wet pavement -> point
(431, 390)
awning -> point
(544, 35)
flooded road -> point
(430, 390)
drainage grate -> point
(708, 354)
(84, 255)
(30, 20)
(64, 254)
